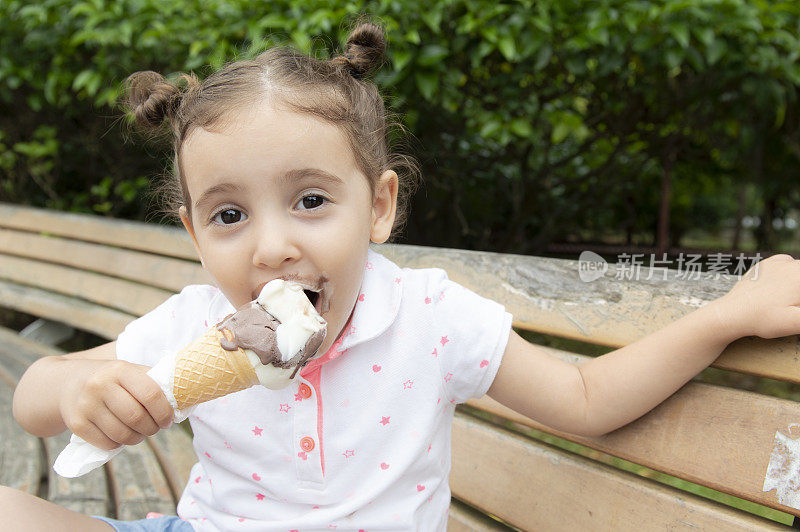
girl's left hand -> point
(764, 302)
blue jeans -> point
(167, 523)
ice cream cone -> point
(205, 371)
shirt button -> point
(305, 390)
(307, 444)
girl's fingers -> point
(114, 429)
(92, 434)
(130, 413)
(149, 395)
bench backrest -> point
(98, 274)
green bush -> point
(532, 120)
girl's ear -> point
(384, 207)
(187, 223)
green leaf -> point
(543, 57)
(400, 59)
(560, 132)
(426, 83)
(521, 127)
(490, 128)
(715, 51)
(432, 19)
(507, 47)
(432, 54)
(680, 33)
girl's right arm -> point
(105, 401)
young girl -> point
(283, 171)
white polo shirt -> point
(361, 439)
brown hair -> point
(333, 90)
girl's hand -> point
(764, 302)
(114, 405)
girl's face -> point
(277, 194)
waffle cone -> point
(205, 371)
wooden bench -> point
(98, 274)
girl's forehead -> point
(266, 143)
(266, 135)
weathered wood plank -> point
(174, 451)
(145, 268)
(462, 518)
(126, 296)
(710, 435)
(138, 484)
(87, 494)
(534, 487)
(100, 320)
(546, 295)
(20, 453)
(163, 240)
(34, 459)
(22, 350)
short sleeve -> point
(471, 333)
(169, 327)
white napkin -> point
(80, 457)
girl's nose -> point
(273, 247)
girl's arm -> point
(614, 389)
(105, 401)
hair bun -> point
(366, 49)
(151, 98)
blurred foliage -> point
(533, 121)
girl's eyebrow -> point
(206, 196)
(318, 173)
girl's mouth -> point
(313, 297)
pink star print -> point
(348, 453)
(369, 266)
(284, 407)
(408, 384)
(384, 421)
(228, 445)
(260, 496)
(298, 396)
(397, 280)
(444, 340)
(427, 301)
(257, 431)
(448, 377)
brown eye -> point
(312, 202)
(229, 216)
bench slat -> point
(547, 296)
(102, 321)
(174, 451)
(164, 240)
(87, 494)
(462, 518)
(145, 268)
(23, 350)
(693, 435)
(138, 484)
(20, 453)
(492, 471)
(119, 294)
